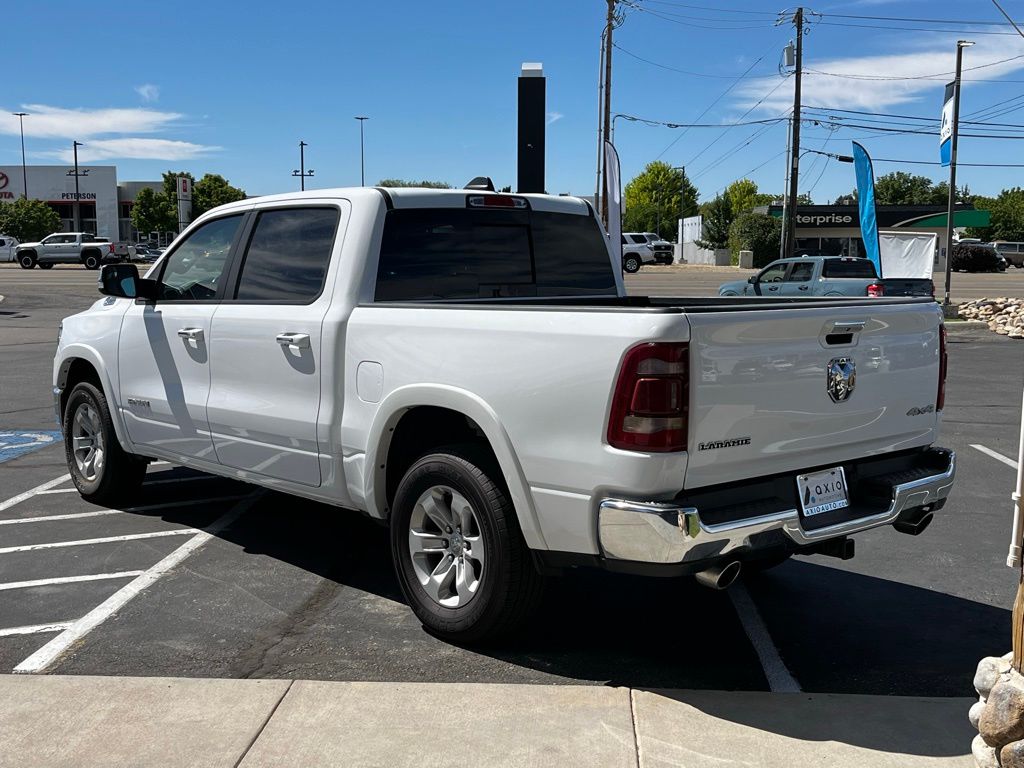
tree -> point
(717, 220)
(152, 212)
(759, 233)
(171, 185)
(743, 196)
(1008, 215)
(213, 190)
(28, 220)
(902, 188)
(403, 183)
(657, 197)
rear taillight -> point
(111, 246)
(940, 398)
(650, 405)
(875, 290)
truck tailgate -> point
(760, 401)
(907, 286)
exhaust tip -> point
(916, 527)
(720, 576)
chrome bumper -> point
(667, 533)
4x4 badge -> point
(841, 378)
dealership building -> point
(105, 204)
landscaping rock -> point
(1012, 755)
(1004, 316)
(990, 669)
(984, 755)
(1002, 719)
(974, 715)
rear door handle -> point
(802, 288)
(300, 340)
(192, 334)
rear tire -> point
(91, 261)
(457, 549)
(46, 265)
(27, 262)
(101, 470)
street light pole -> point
(24, 173)
(78, 203)
(960, 45)
(682, 202)
(302, 173)
(362, 157)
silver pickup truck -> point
(825, 276)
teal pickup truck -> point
(825, 276)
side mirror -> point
(123, 282)
(752, 279)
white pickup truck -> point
(67, 248)
(466, 368)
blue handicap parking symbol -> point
(15, 444)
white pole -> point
(1013, 559)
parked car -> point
(635, 255)
(8, 245)
(662, 249)
(825, 276)
(67, 248)
(427, 358)
(146, 254)
(977, 257)
(1013, 253)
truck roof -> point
(419, 197)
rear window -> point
(849, 268)
(461, 253)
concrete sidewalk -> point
(113, 721)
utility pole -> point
(789, 234)
(960, 45)
(302, 173)
(607, 120)
(24, 173)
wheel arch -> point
(81, 363)
(461, 415)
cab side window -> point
(288, 255)
(195, 270)
(801, 272)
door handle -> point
(300, 340)
(191, 334)
(802, 288)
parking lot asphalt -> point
(290, 588)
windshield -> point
(462, 253)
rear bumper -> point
(659, 533)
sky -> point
(231, 88)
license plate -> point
(823, 491)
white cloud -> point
(148, 92)
(930, 59)
(46, 122)
(554, 117)
(135, 149)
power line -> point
(913, 29)
(931, 120)
(713, 8)
(997, 5)
(664, 124)
(919, 77)
(676, 69)
(669, 17)
(917, 21)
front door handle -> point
(300, 340)
(191, 334)
(802, 288)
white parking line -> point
(59, 490)
(32, 492)
(68, 580)
(101, 540)
(779, 678)
(34, 628)
(995, 455)
(69, 516)
(49, 653)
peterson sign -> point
(5, 193)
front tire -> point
(101, 470)
(458, 552)
(26, 261)
(631, 264)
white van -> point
(1012, 252)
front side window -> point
(193, 272)
(288, 255)
(773, 273)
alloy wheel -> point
(446, 546)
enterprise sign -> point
(824, 219)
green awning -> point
(969, 218)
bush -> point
(975, 257)
(758, 233)
(28, 220)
